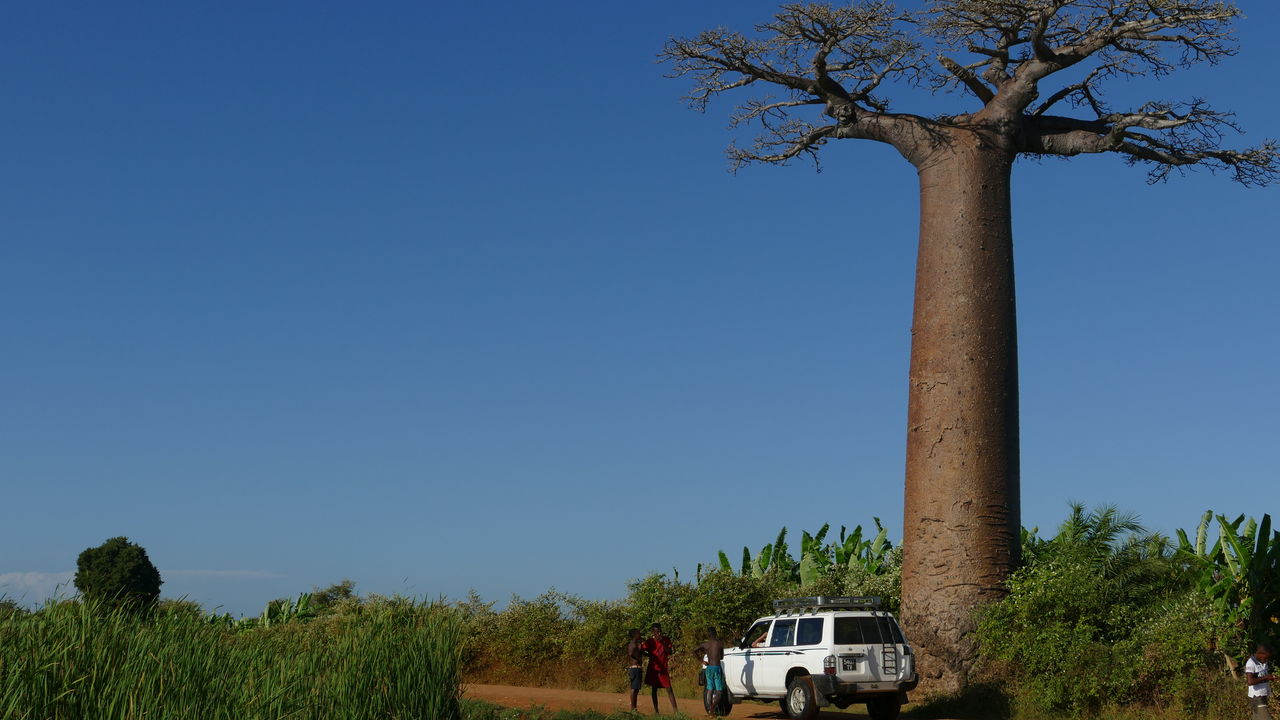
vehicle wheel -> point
(724, 708)
(885, 707)
(799, 704)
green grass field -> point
(70, 661)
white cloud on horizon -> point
(36, 587)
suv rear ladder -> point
(888, 650)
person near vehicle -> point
(658, 648)
(1258, 674)
(713, 650)
(635, 664)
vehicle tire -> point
(723, 709)
(800, 704)
(885, 707)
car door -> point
(742, 664)
(776, 659)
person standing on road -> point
(713, 649)
(1258, 674)
(635, 664)
(658, 648)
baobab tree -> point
(822, 73)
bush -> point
(1103, 617)
(525, 642)
(727, 602)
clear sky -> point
(441, 296)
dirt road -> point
(552, 699)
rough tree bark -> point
(961, 524)
(961, 510)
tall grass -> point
(73, 661)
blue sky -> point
(441, 297)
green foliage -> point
(10, 608)
(1240, 575)
(817, 560)
(658, 599)
(727, 602)
(117, 573)
(75, 660)
(597, 630)
(334, 598)
(523, 643)
(1101, 617)
(564, 639)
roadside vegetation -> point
(1103, 619)
(70, 660)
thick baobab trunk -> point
(962, 524)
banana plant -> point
(854, 551)
(1240, 574)
(284, 610)
(817, 556)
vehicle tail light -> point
(829, 665)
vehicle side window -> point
(848, 631)
(757, 632)
(896, 632)
(810, 632)
(872, 631)
(784, 633)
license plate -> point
(849, 664)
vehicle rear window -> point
(867, 631)
(810, 632)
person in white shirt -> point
(1257, 673)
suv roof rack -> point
(820, 602)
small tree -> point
(117, 573)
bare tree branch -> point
(789, 140)
(831, 62)
(1030, 40)
(966, 76)
(1176, 136)
(1082, 92)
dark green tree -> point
(118, 573)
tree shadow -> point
(979, 701)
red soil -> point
(554, 699)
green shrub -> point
(727, 602)
(1102, 617)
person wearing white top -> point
(1257, 673)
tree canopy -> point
(116, 573)
(1022, 61)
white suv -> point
(818, 651)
